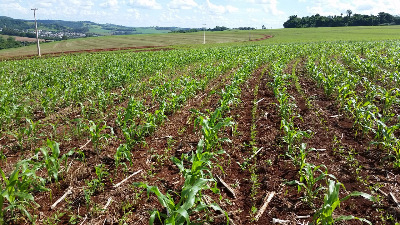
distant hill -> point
(57, 29)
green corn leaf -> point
(24, 196)
(341, 218)
(153, 217)
(190, 192)
(357, 194)
(25, 212)
(178, 163)
(183, 212)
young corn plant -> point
(211, 126)
(122, 154)
(53, 161)
(129, 121)
(17, 195)
(96, 134)
(329, 84)
(396, 152)
(25, 133)
(285, 106)
(189, 203)
(197, 179)
(310, 180)
(16, 191)
(332, 201)
(97, 183)
(300, 159)
(292, 136)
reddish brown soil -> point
(374, 169)
(54, 54)
(272, 167)
(263, 38)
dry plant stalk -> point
(69, 191)
(267, 200)
(123, 181)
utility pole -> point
(37, 33)
(204, 31)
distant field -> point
(171, 39)
(27, 39)
(301, 35)
(139, 30)
(336, 34)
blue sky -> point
(190, 13)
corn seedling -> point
(53, 161)
(96, 184)
(16, 190)
(197, 179)
(123, 153)
(189, 203)
(310, 180)
(211, 126)
(96, 132)
(332, 201)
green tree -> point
(349, 12)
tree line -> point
(12, 32)
(349, 19)
(10, 42)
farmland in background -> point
(195, 40)
(246, 132)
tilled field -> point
(249, 135)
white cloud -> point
(182, 4)
(110, 4)
(11, 6)
(253, 10)
(269, 6)
(170, 16)
(135, 13)
(146, 4)
(46, 3)
(220, 9)
(231, 9)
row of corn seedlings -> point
(368, 117)
(187, 86)
(198, 175)
(313, 179)
(48, 85)
(254, 148)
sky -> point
(190, 13)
